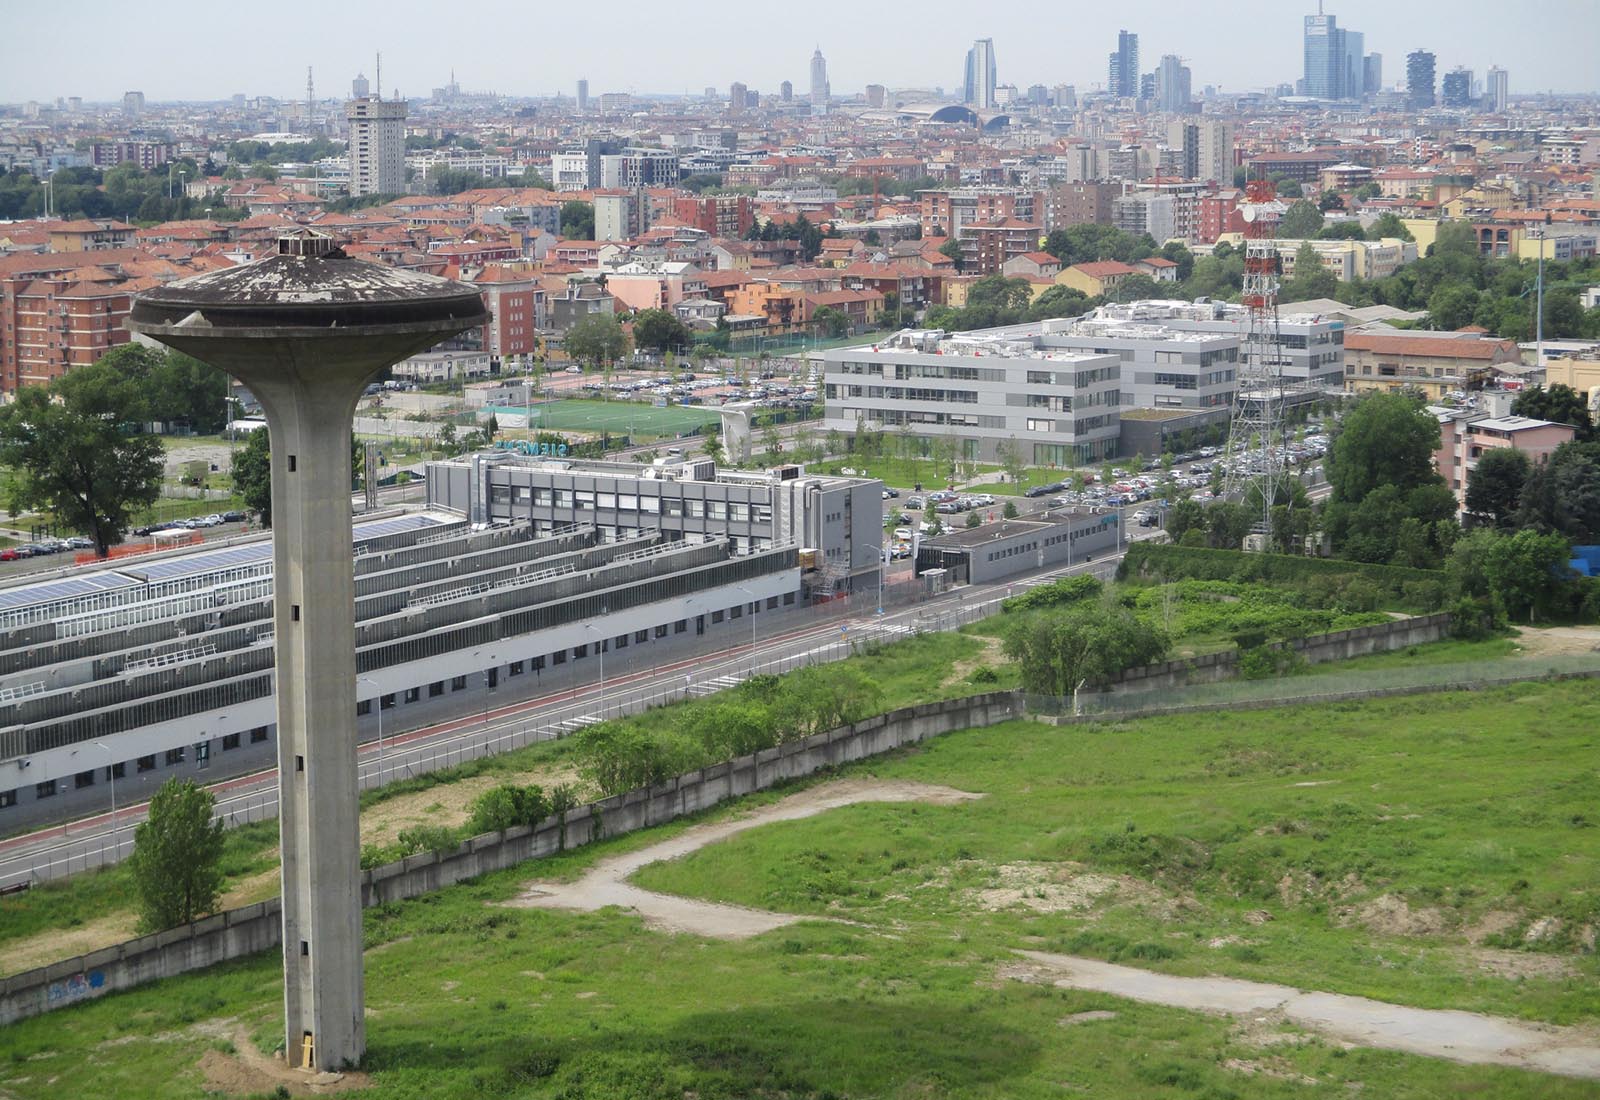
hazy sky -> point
(99, 49)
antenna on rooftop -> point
(310, 99)
(378, 77)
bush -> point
(1355, 586)
(427, 838)
(1067, 590)
(506, 807)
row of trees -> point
(125, 192)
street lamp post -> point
(111, 774)
(752, 613)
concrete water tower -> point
(306, 330)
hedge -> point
(1416, 589)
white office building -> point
(982, 390)
(1310, 346)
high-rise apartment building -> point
(786, 91)
(738, 98)
(819, 83)
(377, 146)
(1172, 85)
(1206, 149)
(583, 97)
(1123, 79)
(877, 96)
(1334, 65)
(1419, 78)
(1499, 90)
(1457, 90)
(132, 104)
(980, 75)
(359, 88)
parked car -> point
(889, 493)
(14, 553)
(234, 516)
(78, 542)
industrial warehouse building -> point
(163, 665)
(840, 519)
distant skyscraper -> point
(786, 91)
(1372, 67)
(133, 104)
(1499, 91)
(738, 98)
(877, 96)
(1123, 80)
(1419, 78)
(1065, 97)
(980, 75)
(1172, 85)
(583, 97)
(1457, 88)
(819, 83)
(1334, 67)
(359, 88)
(377, 146)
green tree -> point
(1059, 301)
(577, 220)
(507, 807)
(1311, 279)
(712, 446)
(1452, 307)
(1388, 224)
(660, 330)
(253, 474)
(1185, 516)
(831, 321)
(1087, 645)
(1525, 572)
(177, 856)
(1300, 221)
(1494, 488)
(1560, 404)
(77, 458)
(598, 339)
(1383, 439)
(1562, 494)
(1008, 452)
(952, 249)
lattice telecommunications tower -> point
(1256, 459)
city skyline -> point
(1260, 46)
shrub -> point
(1067, 590)
(427, 838)
(506, 807)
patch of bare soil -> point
(248, 1072)
(1517, 965)
(1556, 641)
(1086, 1017)
(607, 884)
(990, 654)
(1391, 915)
(252, 888)
(449, 804)
(1467, 1037)
(1058, 888)
(1271, 1067)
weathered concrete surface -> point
(1436, 1033)
(607, 882)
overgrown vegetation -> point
(1255, 845)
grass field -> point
(1362, 848)
(623, 417)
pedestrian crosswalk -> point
(716, 684)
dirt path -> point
(1558, 641)
(606, 883)
(1438, 1033)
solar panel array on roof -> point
(197, 564)
(27, 595)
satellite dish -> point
(1249, 213)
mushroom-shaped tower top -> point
(310, 289)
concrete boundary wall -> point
(239, 932)
(1340, 645)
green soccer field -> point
(622, 417)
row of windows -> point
(49, 788)
(1013, 551)
(588, 500)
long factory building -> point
(162, 665)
